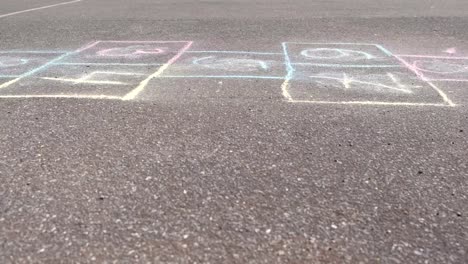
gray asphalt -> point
(227, 170)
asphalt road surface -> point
(218, 131)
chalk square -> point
(338, 55)
(367, 86)
(438, 68)
(227, 64)
(17, 63)
(69, 80)
(150, 53)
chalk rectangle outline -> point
(235, 52)
(131, 95)
(290, 71)
(225, 76)
(387, 52)
(423, 75)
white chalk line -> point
(75, 96)
(87, 78)
(134, 93)
(370, 103)
(84, 81)
(290, 72)
(38, 8)
(285, 88)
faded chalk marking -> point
(451, 50)
(118, 73)
(145, 41)
(432, 57)
(74, 96)
(332, 53)
(448, 80)
(450, 68)
(370, 103)
(46, 65)
(290, 73)
(421, 76)
(234, 52)
(9, 76)
(384, 50)
(351, 76)
(285, 89)
(226, 76)
(398, 81)
(347, 81)
(32, 51)
(197, 61)
(231, 64)
(108, 64)
(38, 8)
(438, 68)
(131, 51)
(332, 43)
(79, 81)
(345, 66)
(4, 85)
(90, 45)
(87, 78)
(134, 93)
(12, 62)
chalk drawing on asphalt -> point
(368, 69)
(438, 68)
(324, 73)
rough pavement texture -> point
(188, 174)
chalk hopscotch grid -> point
(284, 87)
(291, 70)
(129, 96)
